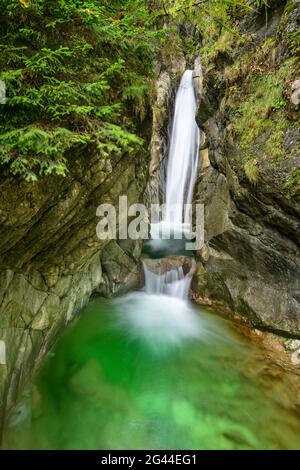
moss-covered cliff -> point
(250, 189)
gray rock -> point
(51, 260)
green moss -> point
(293, 41)
(214, 23)
(291, 6)
(274, 147)
(293, 183)
(262, 118)
(253, 115)
(252, 172)
(224, 43)
(291, 38)
(160, 114)
(254, 61)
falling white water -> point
(182, 164)
(182, 169)
(174, 283)
(184, 152)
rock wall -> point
(250, 263)
(51, 259)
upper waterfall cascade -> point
(184, 152)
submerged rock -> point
(164, 265)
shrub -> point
(76, 72)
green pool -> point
(154, 372)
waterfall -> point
(184, 152)
(182, 166)
(173, 283)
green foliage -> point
(293, 183)
(224, 44)
(293, 40)
(260, 113)
(214, 22)
(261, 3)
(253, 114)
(252, 62)
(76, 72)
(252, 171)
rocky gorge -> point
(250, 262)
(52, 262)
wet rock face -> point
(169, 263)
(52, 260)
(251, 260)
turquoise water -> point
(152, 372)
